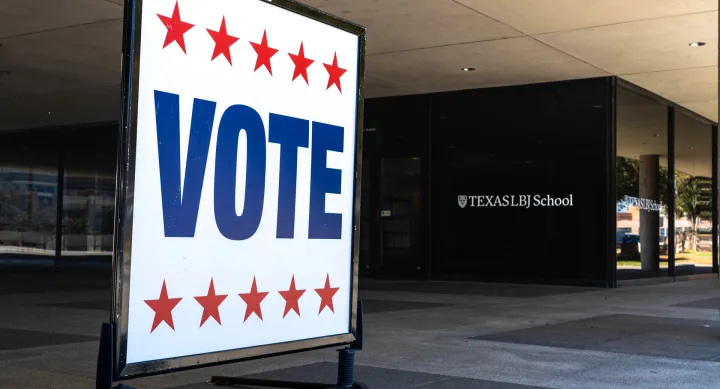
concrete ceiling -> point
(65, 55)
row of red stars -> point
(176, 28)
(164, 305)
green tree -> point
(693, 201)
(627, 176)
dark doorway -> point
(392, 217)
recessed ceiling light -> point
(697, 44)
(468, 69)
(657, 135)
(5, 73)
(691, 148)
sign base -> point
(346, 369)
(345, 379)
(103, 373)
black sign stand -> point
(345, 375)
(104, 371)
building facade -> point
(587, 182)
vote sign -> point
(238, 232)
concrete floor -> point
(418, 335)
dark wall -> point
(542, 139)
(397, 126)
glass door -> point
(399, 218)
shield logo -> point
(462, 201)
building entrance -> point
(393, 214)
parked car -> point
(630, 244)
(631, 238)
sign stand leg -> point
(345, 376)
(103, 374)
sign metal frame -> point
(125, 186)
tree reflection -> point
(693, 201)
(627, 172)
(628, 180)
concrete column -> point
(650, 220)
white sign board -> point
(241, 209)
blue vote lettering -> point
(291, 134)
(324, 180)
(180, 205)
(181, 202)
(235, 119)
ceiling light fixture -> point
(5, 73)
(697, 44)
(468, 69)
(657, 135)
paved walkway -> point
(418, 335)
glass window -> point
(28, 198)
(693, 195)
(641, 178)
(89, 197)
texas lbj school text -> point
(516, 201)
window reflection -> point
(88, 213)
(693, 196)
(89, 198)
(642, 245)
(28, 199)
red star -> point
(211, 304)
(326, 294)
(301, 64)
(334, 73)
(175, 28)
(163, 307)
(253, 300)
(223, 41)
(291, 297)
(264, 53)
